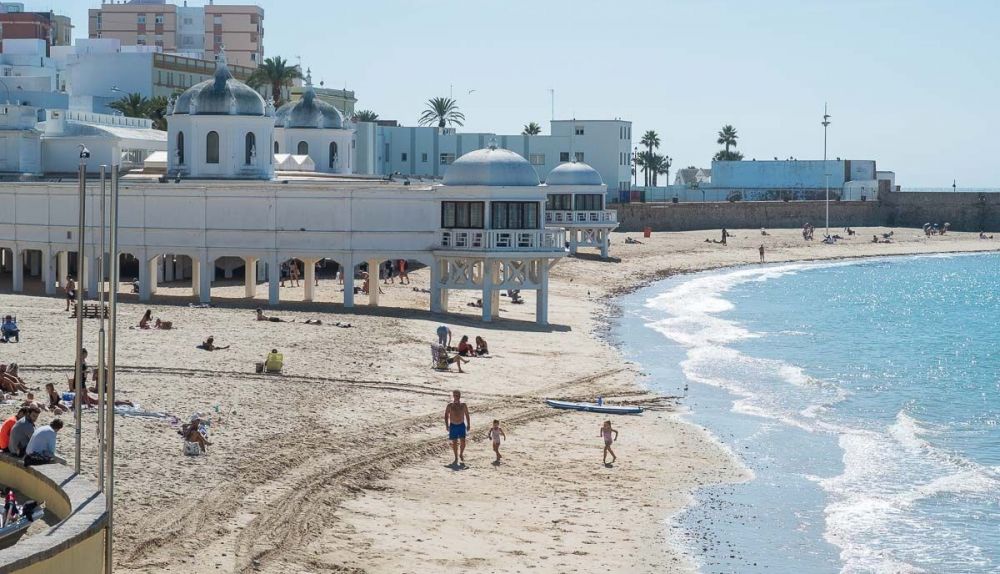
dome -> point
(309, 112)
(222, 95)
(491, 166)
(574, 173)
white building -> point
(428, 151)
(316, 129)
(485, 227)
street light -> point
(79, 374)
(826, 171)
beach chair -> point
(439, 357)
(274, 363)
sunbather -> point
(209, 345)
(192, 433)
(55, 401)
(9, 381)
(262, 317)
(89, 401)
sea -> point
(861, 396)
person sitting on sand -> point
(607, 432)
(874, 238)
(192, 433)
(9, 381)
(89, 401)
(146, 318)
(29, 401)
(465, 348)
(9, 330)
(982, 235)
(481, 347)
(262, 317)
(55, 401)
(763, 231)
(209, 345)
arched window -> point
(212, 147)
(251, 149)
(303, 148)
(333, 154)
(275, 147)
(180, 148)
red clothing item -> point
(465, 349)
(5, 432)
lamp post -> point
(112, 368)
(826, 171)
(78, 372)
(101, 340)
(635, 165)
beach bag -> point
(191, 449)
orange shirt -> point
(5, 432)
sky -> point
(912, 84)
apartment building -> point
(193, 31)
(17, 24)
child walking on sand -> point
(495, 434)
(610, 435)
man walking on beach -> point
(456, 420)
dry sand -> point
(339, 465)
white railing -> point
(108, 119)
(504, 239)
(604, 216)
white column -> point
(90, 271)
(573, 240)
(488, 269)
(17, 266)
(48, 273)
(436, 285)
(34, 263)
(542, 294)
(250, 276)
(273, 280)
(154, 274)
(196, 276)
(145, 291)
(62, 267)
(348, 272)
(161, 272)
(373, 282)
(206, 271)
(605, 235)
(496, 303)
(309, 268)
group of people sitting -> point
(147, 322)
(886, 238)
(9, 330)
(441, 351)
(21, 437)
(935, 229)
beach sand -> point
(340, 464)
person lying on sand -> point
(9, 381)
(313, 322)
(209, 345)
(191, 433)
(262, 317)
(983, 235)
(89, 401)
(630, 241)
(55, 401)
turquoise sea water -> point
(863, 396)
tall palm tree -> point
(661, 166)
(442, 111)
(653, 165)
(365, 116)
(651, 140)
(532, 129)
(134, 105)
(277, 73)
(727, 137)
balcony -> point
(580, 217)
(503, 239)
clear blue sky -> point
(912, 84)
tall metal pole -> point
(78, 369)
(101, 268)
(826, 171)
(112, 346)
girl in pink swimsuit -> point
(610, 435)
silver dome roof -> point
(222, 95)
(574, 173)
(492, 166)
(309, 112)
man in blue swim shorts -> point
(456, 420)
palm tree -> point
(661, 166)
(653, 165)
(651, 140)
(727, 136)
(364, 116)
(442, 111)
(136, 105)
(532, 129)
(725, 155)
(133, 105)
(277, 73)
